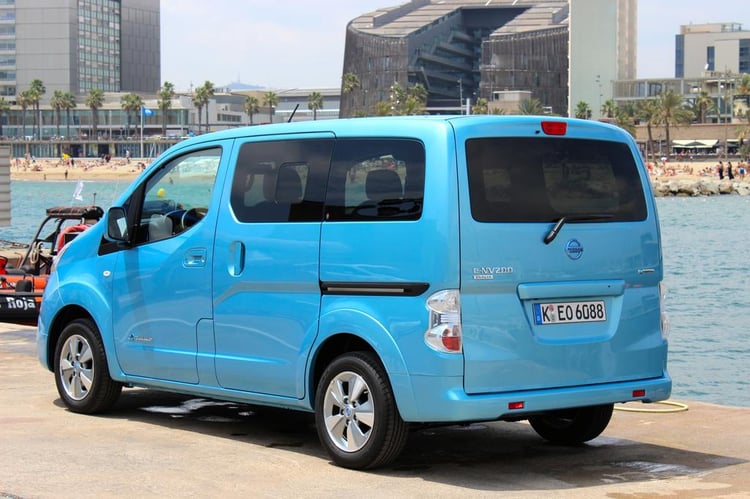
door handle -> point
(236, 260)
(195, 257)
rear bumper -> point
(442, 399)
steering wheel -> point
(192, 216)
(176, 217)
(38, 259)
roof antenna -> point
(292, 115)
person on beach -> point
(730, 175)
(720, 169)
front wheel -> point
(81, 372)
(572, 426)
(356, 415)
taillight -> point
(444, 333)
(663, 312)
(554, 127)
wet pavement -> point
(156, 444)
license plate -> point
(569, 312)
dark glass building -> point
(459, 49)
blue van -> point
(377, 272)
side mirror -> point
(117, 224)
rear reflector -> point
(639, 393)
(515, 405)
(554, 127)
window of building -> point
(744, 56)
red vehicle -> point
(24, 268)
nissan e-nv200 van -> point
(379, 272)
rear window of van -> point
(544, 179)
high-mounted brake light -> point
(554, 127)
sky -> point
(287, 44)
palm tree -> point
(648, 112)
(413, 105)
(383, 108)
(703, 105)
(672, 112)
(166, 94)
(407, 101)
(208, 90)
(200, 99)
(742, 90)
(68, 103)
(33, 98)
(94, 101)
(419, 93)
(23, 100)
(398, 99)
(625, 119)
(132, 104)
(251, 107)
(583, 111)
(349, 83)
(270, 99)
(37, 90)
(742, 134)
(530, 106)
(4, 108)
(480, 107)
(56, 102)
(315, 102)
(609, 109)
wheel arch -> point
(348, 331)
(78, 300)
(64, 317)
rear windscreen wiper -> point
(552, 234)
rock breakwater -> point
(665, 187)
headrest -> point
(383, 184)
(288, 186)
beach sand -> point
(82, 169)
(121, 169)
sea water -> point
(706, 244)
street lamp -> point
(460, 95)
(727, 119)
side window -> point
(178, 196)
(376, 179)
(281, 180)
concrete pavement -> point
(156, 444)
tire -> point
(81, 372)
(572, 426)
(356, 415)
